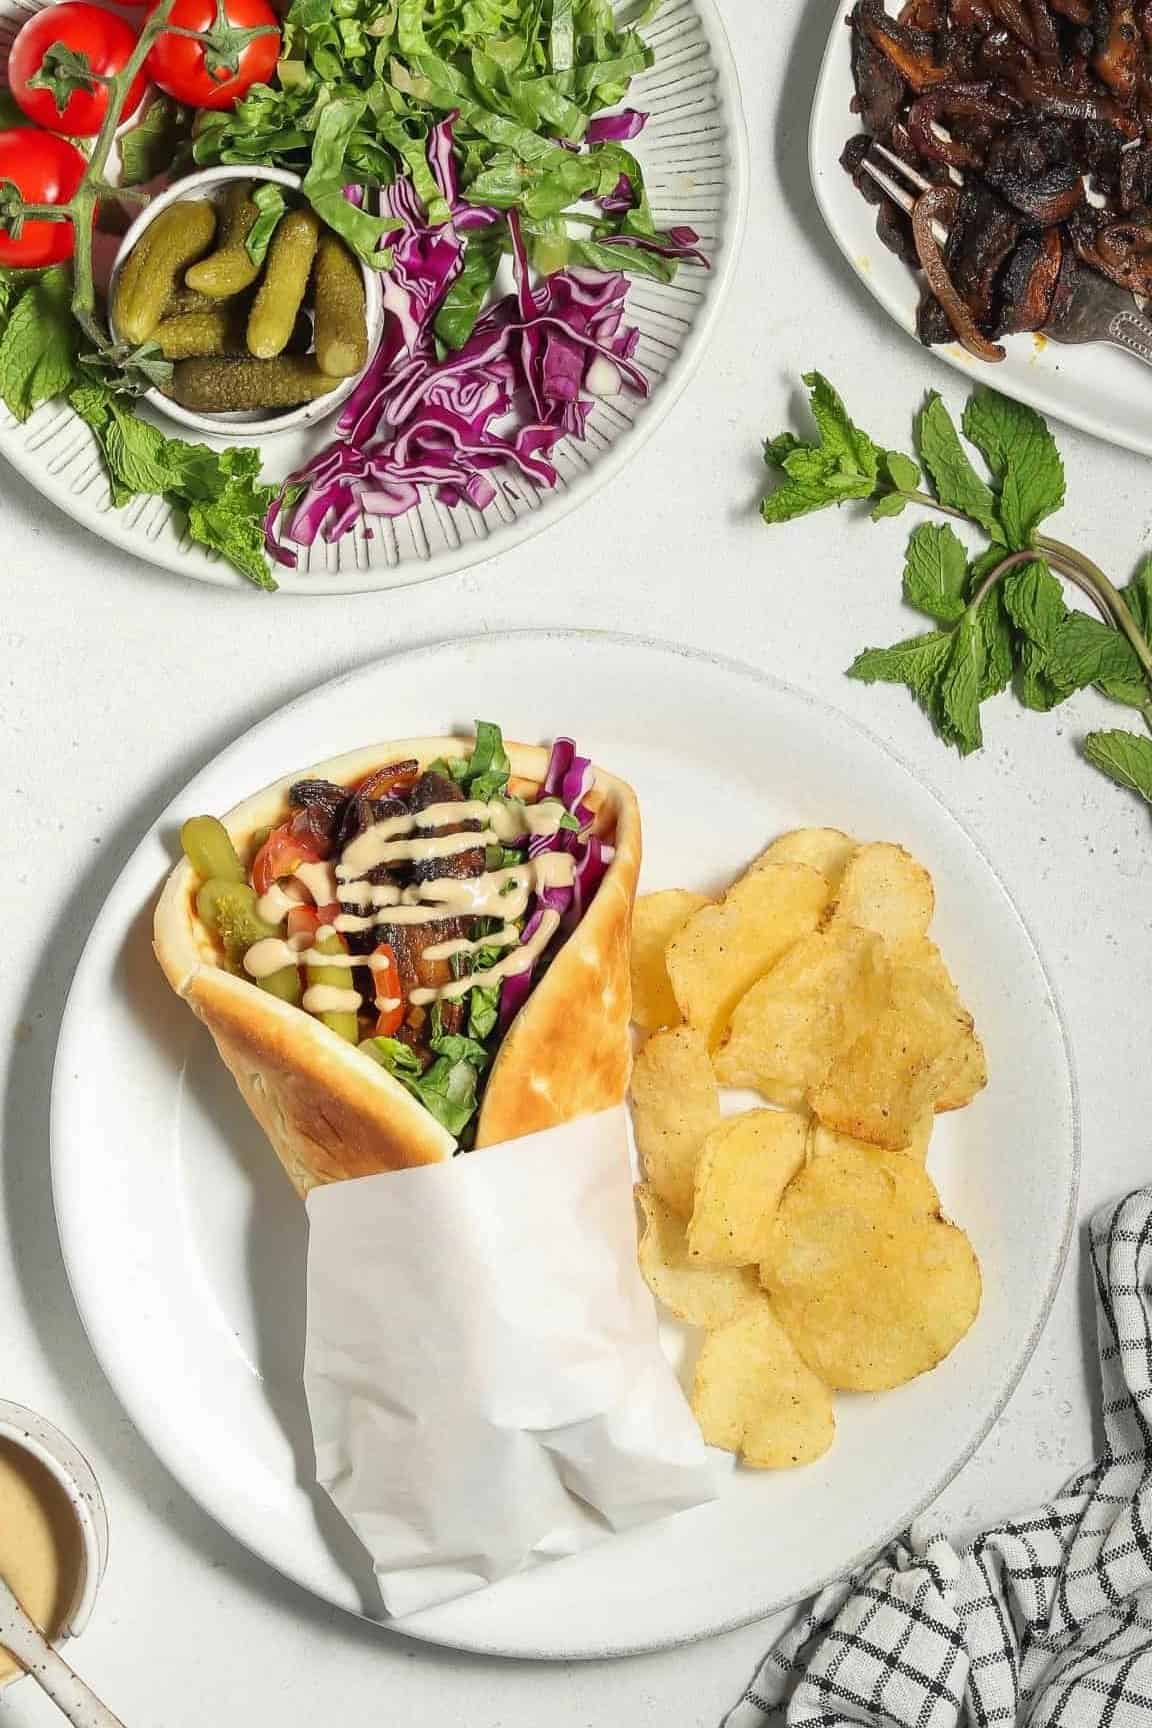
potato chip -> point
(824, 849)
(871, 1284)
(822, 1140)
(656, 919)
(813, 1004)
(753, 1393)
(675, 1107)
(878, 1087)
(744, 1168)
(702, 1295)
(724, 949)
(884, 889)
(967, 1070)
(967, 1074)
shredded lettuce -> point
(362, 83)
(449, 1089)
(488, 767)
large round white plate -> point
(695, 160)
(1101, 390)
(185, 1245)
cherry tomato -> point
(389, 995)
(281, 853)
(46, 170)
(65, 103)
(216, 73)
(307, 920)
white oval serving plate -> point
(1096, 388)
(185, 1244)
(695, 160)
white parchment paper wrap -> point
(483, 1370)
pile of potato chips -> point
(806, 1238)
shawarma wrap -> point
(300, 931)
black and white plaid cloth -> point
(1045, 1622)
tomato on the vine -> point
(241, 47)
(45, 170)
(60, 96)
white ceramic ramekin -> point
(73, 1472)
(254, 422)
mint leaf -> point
(800, 497)
(901, 470)
(999, 660)
(12, 285)
(148, 148)
(776, 449)
(1022, 455)
(960, 685)
(995, 629)
(1035, 603)
(38, 347)
(839, 438)
(219, 492)
(935, 572)
(1034, 685)
(890, 505)
(943, 670)
(1124, 757)
(1138, 597)
(1086, 651)
(918, 662)
(957, 483)
(843, 464)
(232, 525)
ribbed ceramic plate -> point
(1099, 389)
(694, 155)
(185, 1245)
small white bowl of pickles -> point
(263, 346)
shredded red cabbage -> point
(616, 128)
(678, 243)
(525, 378)
(569, 778)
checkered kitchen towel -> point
(1045, 1622)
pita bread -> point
(331, 1112)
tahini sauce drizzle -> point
(411, 838)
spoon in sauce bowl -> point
(53, 1547)
(20, 1634)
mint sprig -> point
(1002, 616)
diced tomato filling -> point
(283, 851)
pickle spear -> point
(217, 331)
(229, 911)
(208, 848)
(184, 301)
(229, 270)
(285, 281)
(222, 386)
(341, 326)
(338, 977)
(155, 265)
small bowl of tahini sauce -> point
(53, 1528)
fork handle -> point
(1132, 331)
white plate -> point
(185, 1245)
(694, 155)
(1099, 389)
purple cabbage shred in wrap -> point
(569, 778)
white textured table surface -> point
(116, 683)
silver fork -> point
(1098, 310)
